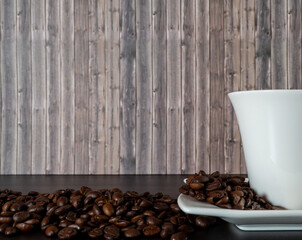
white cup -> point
(270, 123)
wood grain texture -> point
(24, 154)
(279, 44)
(294, 45)
(217, 86)
(173, 87)
(137, 86)
(188, 86)
(247, 53)
(97, 83)
(53, 86)
(143, 87)
(112, 161)
(67, 87)
(38, 66)
(263, 44)
(202, 86)
(127, 87)
(9, 83)
(159, 87)
(81, 79)
(232, 141)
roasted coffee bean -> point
(80, 221)
(62, 201)
(175, 208)
(151, 230)
(151, 220)
(6, 219)
(71, 216)
(179, 236)
(112, 231)
(24, 227)
(3, 227)
(108, 209)
(10, 231)
(63, 209)
(122, 223)
(51, 231)
(146, 203)
(186, 228)
(95, 233)
(67, 233)
(132, 233)
(161, 206)
(96, 210)
(21, 216)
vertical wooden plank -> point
(112, 87)
(188, 86)
(247, 52)
(173, 87)
(53, 86)
(67, 87)
(9, 87)
(38, 87)
(202, 86)
(294, 45)
(24, 87)
(81, 86)
(263, 44)
(128, 87)
(97, 84)
(1, 83)
(232, 83)
(217, 86)
(159, 86)
(279, 44)
(144, 87)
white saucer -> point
(246, 220)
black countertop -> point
(168, 184)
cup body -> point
(270, 123)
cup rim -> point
(267, 91)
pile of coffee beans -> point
(105, 214)
(225, 191)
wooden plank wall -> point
(137, 86)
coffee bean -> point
(6, 219)
(95, 233)
(32, 221)
(132, 233)
(151, 230)
(108, 209)
(21, 216)
(62, 201)
(51, 231)
(96, 210)
(10, 231)
(186, 228)
(112, 231)
(179, 236)
(24, 227)
(3, 227)
(151, 220)
(67, 233)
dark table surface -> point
(168, 184)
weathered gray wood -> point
(294, 44)
(232, 147)
(159, 82)
(127, 87)
(38, 87)
(217, 86)
(144, 87)
(279, 44)
(81, 79)
(173, 87)
(263, 44)
(67, 87)
(97, 84)
(1, 83)
(112, 87)
(9, 87)
(188, 86)
(202, 86)
(53, 86)
(247, 58)
(24, 158)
